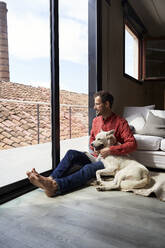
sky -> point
(131, 47)
(29, 43)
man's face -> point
(101, 108)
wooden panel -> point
(164, 99)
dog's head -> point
(104, 139)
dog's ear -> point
(110, 132)
(111, 138)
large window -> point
(73, 69)
(25, 94)
(144, 56)
(147, 63)
(131, 53)
(30, 111)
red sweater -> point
(122, 133)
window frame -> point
(94, 54)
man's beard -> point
(97, 113)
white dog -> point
(127, 173)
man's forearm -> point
(123, 149)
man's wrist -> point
(110, 151)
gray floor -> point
(82, 219)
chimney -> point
(4, 57)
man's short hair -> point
(105, 96)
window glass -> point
(131, 53)
(25, 104)
(73, 55)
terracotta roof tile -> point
(7, 141)
(19, 120)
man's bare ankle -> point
(51, 177)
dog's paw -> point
(99, 182)
(93, 183)
(99, 188)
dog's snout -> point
(92, 144)
(98, 147)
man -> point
(57, 182)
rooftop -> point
(25, 115)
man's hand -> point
(97, 153)
(105, 152)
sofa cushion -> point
(128, 111)
(154, 126)
(162, 146)
(153, 159)
(146, 142)
(136, 121)
(159, 113)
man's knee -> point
(88, 167)
(71, 153)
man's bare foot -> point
(46, 183)
(34, 171)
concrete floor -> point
(85, 218)
(82, 219)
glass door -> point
(73, 60)
(25, 114)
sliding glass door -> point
(25, 95)
(38, 120)
(73, 61)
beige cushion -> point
(154, 126)
(129, 111)
(137, 121)
(159, 113)
(147, 142)
(162, 146)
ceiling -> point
(152, 14)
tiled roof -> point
(25, 115)
(23, 92)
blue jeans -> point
(80, 177)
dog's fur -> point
(127, 173)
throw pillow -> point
(159, 113)
(162, 147)
(137, 121)
(154, 126)
(129, 111)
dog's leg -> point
(115, 184)
(103, 172)
(107, 186)
(131, 178)
(98, 176)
